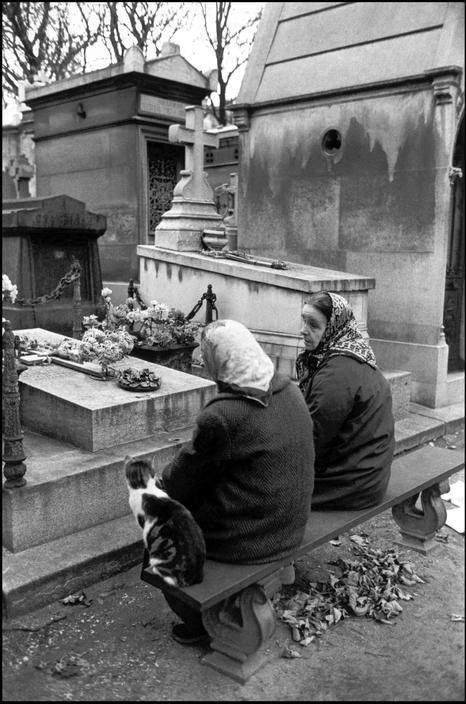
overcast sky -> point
(193, 47)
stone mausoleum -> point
(102, 138)
(351, 119)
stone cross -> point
(194, 139)
(193, 208)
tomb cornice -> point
(421, 81)
(445, 83)
(51, 214)
(155, 85)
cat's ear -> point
(153, 467)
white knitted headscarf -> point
(233, 356)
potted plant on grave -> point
(161, 334)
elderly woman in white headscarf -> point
(247, 475)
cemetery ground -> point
(115, 644)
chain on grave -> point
(70, 277)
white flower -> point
(106, 292)
(12, 289)
(90, 320)
(6, 283)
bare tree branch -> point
(45, 36)
(230, 42)
(145, 24)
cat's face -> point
(138, 473)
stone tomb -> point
(92, 414)
(40, 239)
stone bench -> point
(234, 600)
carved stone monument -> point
(42, 237)
(193, 206)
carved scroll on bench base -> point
(418, 526)
(240, 625)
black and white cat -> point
(174, 542)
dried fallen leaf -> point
(358, 539)
(369, 586)
(79, 598)
(307, 641)
(381, 619)
(289, 652)
(442, 538)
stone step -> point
(70, 489)
(455, 387)
(45, 573)
(42, 574)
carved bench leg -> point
(417, 526)
(240, 625)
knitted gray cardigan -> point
(247, 475)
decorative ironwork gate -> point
(164, 162)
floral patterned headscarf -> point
(236, 361)
(341, 336)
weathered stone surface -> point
(52, 571)
(268, 301)
(71, 489)
(52, 213)
(93, 414)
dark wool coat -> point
(351, 407)
(247, 475)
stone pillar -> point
(242, 120)
(445, 87)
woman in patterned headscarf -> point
(247, 475)
(350, 404)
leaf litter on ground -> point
(373, 585)
(79, 598)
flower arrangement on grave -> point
(105, 347)
(164, 327)
(157, 325)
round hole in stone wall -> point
(331, 142)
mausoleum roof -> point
(173, 69)
(307, 48)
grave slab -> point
(93, 414)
